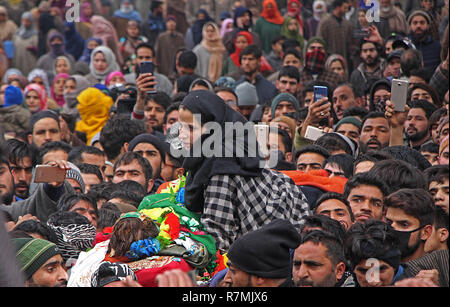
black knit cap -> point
(43, 114)
(151, 139)
(265, 252)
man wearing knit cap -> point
(261, 258)
(247, 98)
(44, 127)
(350, 127)
(153, 149)
(41, 263)
(419, 23)
(13, 116)
(284, 104)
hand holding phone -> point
(145, 68)
(399, 94)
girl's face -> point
(70, 86)
(100, 63)
(38, 80)
(116, 79)
(210, 33)
(362, 18)
(133, 31)
(337, 67)
(190, 129)
(241, 42)
(88, 11)
(58, 88)
(92, 45)
(62, 67)
(32, 100)
(292, 26)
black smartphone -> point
(147, 67)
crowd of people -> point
(343, 190)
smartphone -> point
(320, 92)
(399, 94)
(313, 133)
(47, 173)
(262, 136)
(147, 67)
(361, 34)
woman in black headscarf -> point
(229, 182)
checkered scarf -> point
(315, 61)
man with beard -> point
(372, 65)
(410, 213)
(145, 53)
(319, 260)
(417, 126)
(419, 28)
(22, 158)
(346, 96)
(375, 132)
(154, 111)
(41, 263)
(6, 181)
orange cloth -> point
(272, 15)
(318, 179)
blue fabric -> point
(86, 56)
(74, 43)
(133, 15)
(399, 273)
(13, 96)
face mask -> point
(71, 99)
(386, 9)
(403, 237)
(315, 61)
(57, 49)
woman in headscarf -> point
(103, 62)
(73, 87)
(337, 64)
(269, 24)
(91, 44)
(35, 98)
(93, 106)
(7, 27)
(40, 77)
(84, 27)
(312, 23)
(210, 53)
(291, 30)
(104, 30)
(227, 26)
(74, 42)
(62, 65)
(56, 48)
(242, 40)
(294, 10)
(131, 40)
(25, 45)
(232, 183)
(46, 23)
(194, 34)
(57, 89)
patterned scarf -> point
(73, 239)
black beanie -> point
(151, 139)
(43, 114)
(265, 252)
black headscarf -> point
(197, 27)
(200, 169)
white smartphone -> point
(262, 136)
(399, 94)
(313, 133)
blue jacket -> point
(431, 52)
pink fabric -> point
(41, 93)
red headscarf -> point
(296, 12)
(272, 15)
(235, 55)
